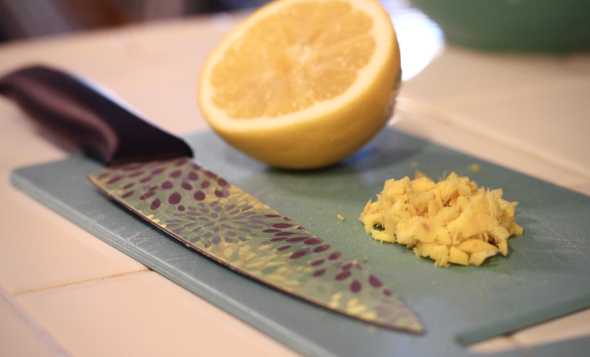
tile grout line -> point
(405, 102)
(78, 282)
(41, 333)
(582, 185)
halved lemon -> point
(302, 84)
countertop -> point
(63, 292)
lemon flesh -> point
(303, 83)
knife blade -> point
(153, 175)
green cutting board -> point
(546, 274)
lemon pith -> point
(303, 83)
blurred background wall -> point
(22, 19)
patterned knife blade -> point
(230, 226)
(197, 207)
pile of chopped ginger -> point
(449, 221)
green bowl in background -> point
(513, 25)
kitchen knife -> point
(151, 173)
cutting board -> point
(545, 276)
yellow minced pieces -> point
(449, 221)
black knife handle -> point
(83, 115)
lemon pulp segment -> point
(302, 84)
